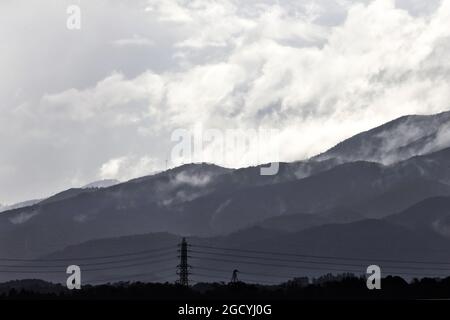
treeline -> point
(347, 288)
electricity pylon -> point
(183, 267)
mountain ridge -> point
(208, 200)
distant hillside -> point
(396, 140)
(19, 205)
(207, 200)
(259, 254)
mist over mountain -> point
(93, 185)
(396, 172)
(396, 140)
(19, 205)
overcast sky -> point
(101, 102)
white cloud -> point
(379, 64)
(135, 40)
(317, 71)
(110, 169)
(128, 167)
(115, 99)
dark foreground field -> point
(392, 288)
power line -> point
(310, 268)
(205, 276)
(146, 274)
(88, 258)
(233, 256)
(316, 262)
(88, 264)
(242, 280)
(86, 270)
(117, 280)
(267, 264)
(249, 273)
(321, 257)
(129, 265)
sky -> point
(104, 101)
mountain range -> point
(382, 194)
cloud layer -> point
(102, 102)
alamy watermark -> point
(74, 280)
(229, 146)
(374, 277)
(74, 17)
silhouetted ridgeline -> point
(326, 288)
(399, 169)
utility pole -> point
(183, 267)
